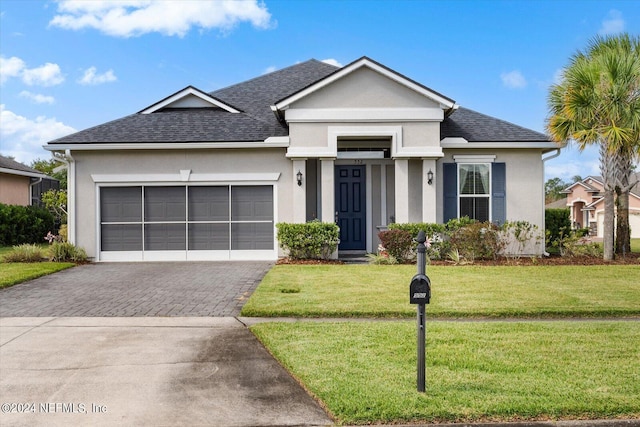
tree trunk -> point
(608, 226)
(623, 230)
(607, 168)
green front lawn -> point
(14, 273)
(18, 272)
(469, 291)
(635, 245)
(365, 372)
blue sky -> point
(70, 65)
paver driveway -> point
(167, 289)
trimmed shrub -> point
(479, 240)
(23, 224)
(398, 244)
(25, 253)
(67, 252)
(437, 242)
(311, 240)
(557, 223)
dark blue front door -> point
(350, 207)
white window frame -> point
(460, 184)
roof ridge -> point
(308, 61)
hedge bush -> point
(398, 244)
(557, 224)
(24, 224)
(480, 240)
(311, 240)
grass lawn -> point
(14, 273)
(365, 372)
(469, 291)
(635, 245)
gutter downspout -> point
(544, 228)
(31, 189)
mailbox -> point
(420, 289)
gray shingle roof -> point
(477, 127)
(7, 163)
(257, 122)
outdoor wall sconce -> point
(429, 177)
(299, 178)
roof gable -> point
(189, 97)
(364, 62)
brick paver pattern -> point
(162, 289)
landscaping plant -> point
(311, 240)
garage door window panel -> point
(209, 237)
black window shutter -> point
(498, 193)
(450, 190)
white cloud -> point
(270, 69)
(46, 75)
(513, 80)
(37, 97)
(574, 162)
(332, 61)
(91, 78)
(129, 18)
(613, 23)
(10, 67)
(23, 138)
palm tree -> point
(598, 102)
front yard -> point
(18, 272)
(466, 291)
(516, 366)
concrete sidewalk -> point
(144, 371)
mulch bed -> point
(630, 259)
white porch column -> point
(328, 190)
(428, 191)
(299, 191)
(402, 190)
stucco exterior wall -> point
(414, 134)
(525, 201)
(14, 189)
(220, 161)
(365, 88)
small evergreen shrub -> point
(479, 240)
(67, 252)
(556, 222)
(437, 241)
(398, 244)
(26, 253)
(311, 240)
(572, 244)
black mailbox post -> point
(420, 294)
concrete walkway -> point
(190, 371)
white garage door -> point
(634, 223)
(214, 222)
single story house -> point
(585, 200)
(206, 176)
(22, 185)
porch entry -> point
(351, 207)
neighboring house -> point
(201, 176)
(22, 185)
(586, 205)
